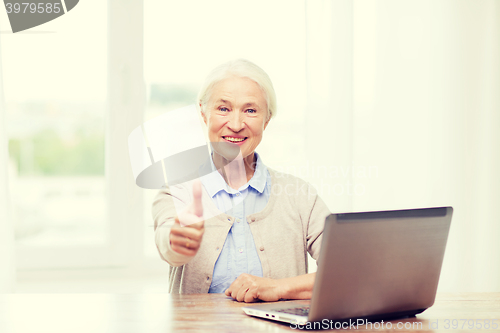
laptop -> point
(372, 266)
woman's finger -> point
(185, 242)
(192, 233)
(188, 219)
(251, 295)
(181, 249)
(240, 297)
(197, 206)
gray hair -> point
(240, 68)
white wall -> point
(6, 234)
(328, 116)
(403, 111)
(426, 113)
(403, 100)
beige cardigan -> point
(290, 225)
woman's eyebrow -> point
(222, 101)
(251, 104)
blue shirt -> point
(239, 254)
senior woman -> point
(255, 249)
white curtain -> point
(423, 127)
(6, 229)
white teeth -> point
(234, 139)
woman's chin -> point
(227, 150)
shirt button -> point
(238, 220)
(241, 250)
(237, 194)
(261, 248)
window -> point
(55, 95)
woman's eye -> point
(223, 109)
(251, 111)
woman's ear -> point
(203, 115)
(267, 121)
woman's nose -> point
(236, 122)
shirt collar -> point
(214, 182)
(259, 178)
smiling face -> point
(236, 113)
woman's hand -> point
(187, 231)
(249, 288)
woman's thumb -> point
(197, 206)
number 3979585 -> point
(32, 8)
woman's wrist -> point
(282, 288)
(298, 287)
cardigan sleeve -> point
(165, 207)
(316, 223)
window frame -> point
(124, 111)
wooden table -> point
(95, 313)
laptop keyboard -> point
(303, 311)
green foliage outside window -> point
(50, 154)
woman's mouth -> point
(233, 139)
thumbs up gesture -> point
(188, 229)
